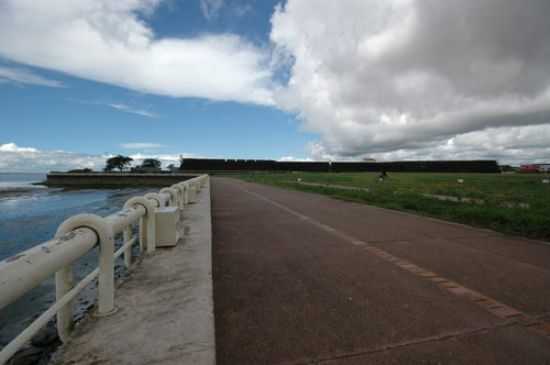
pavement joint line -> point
(444, 336)
(494, 307)
(451, 241)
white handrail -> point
(74, 238)
(22, 272)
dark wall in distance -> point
(113, 179)
(484, 166)
(197, 164)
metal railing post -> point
(173, 195)
(64, 281)
(126, 236)
(192, 193)
(142, 231)
(185, 193)
(179, 189)
(147, 225)
(106, 285)
(155, 198)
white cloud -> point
(165, 159)
(122, 107)
(141, 145)
(402, 78)
(293, 158)
(410, 79)
(14, 158)
(129, 109)
(28, 159)
(23, 76)
(12, 147)
(109, 41)
(211, 8)
(508, 145)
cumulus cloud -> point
(389, 79)
(13, 148)
(510, 145)
(110, 41)
(165, 159)
(23, 76)
(29, 159)
(14, 158)
(418, 79)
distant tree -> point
(150, 163)
(80, 171)
(117, 162)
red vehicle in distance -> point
(534, 168)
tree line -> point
(121, 163)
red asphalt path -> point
(302, 278)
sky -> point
(82, 80)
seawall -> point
(114, 179)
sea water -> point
(30, 215)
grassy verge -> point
(516, 204)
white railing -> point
(74, 238)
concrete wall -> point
(114, 179)
(196, 164)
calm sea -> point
(15, 180)
(30, 215)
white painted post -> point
(126, 236)
(147, 223)
(186, 193)
(182, 196)
(150, 227)
(173, 195)
(142, 235)
(155, 198)
(192, 193)
(106, 286)
(197, 186)
(64, 282)
(179, 191)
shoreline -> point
(16, 192)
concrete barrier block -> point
(166, 230)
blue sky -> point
(78, 118)
(89, 117)
(81, 80)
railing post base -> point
(99, 314)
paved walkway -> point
(302, 278)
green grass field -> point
(513, 203)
